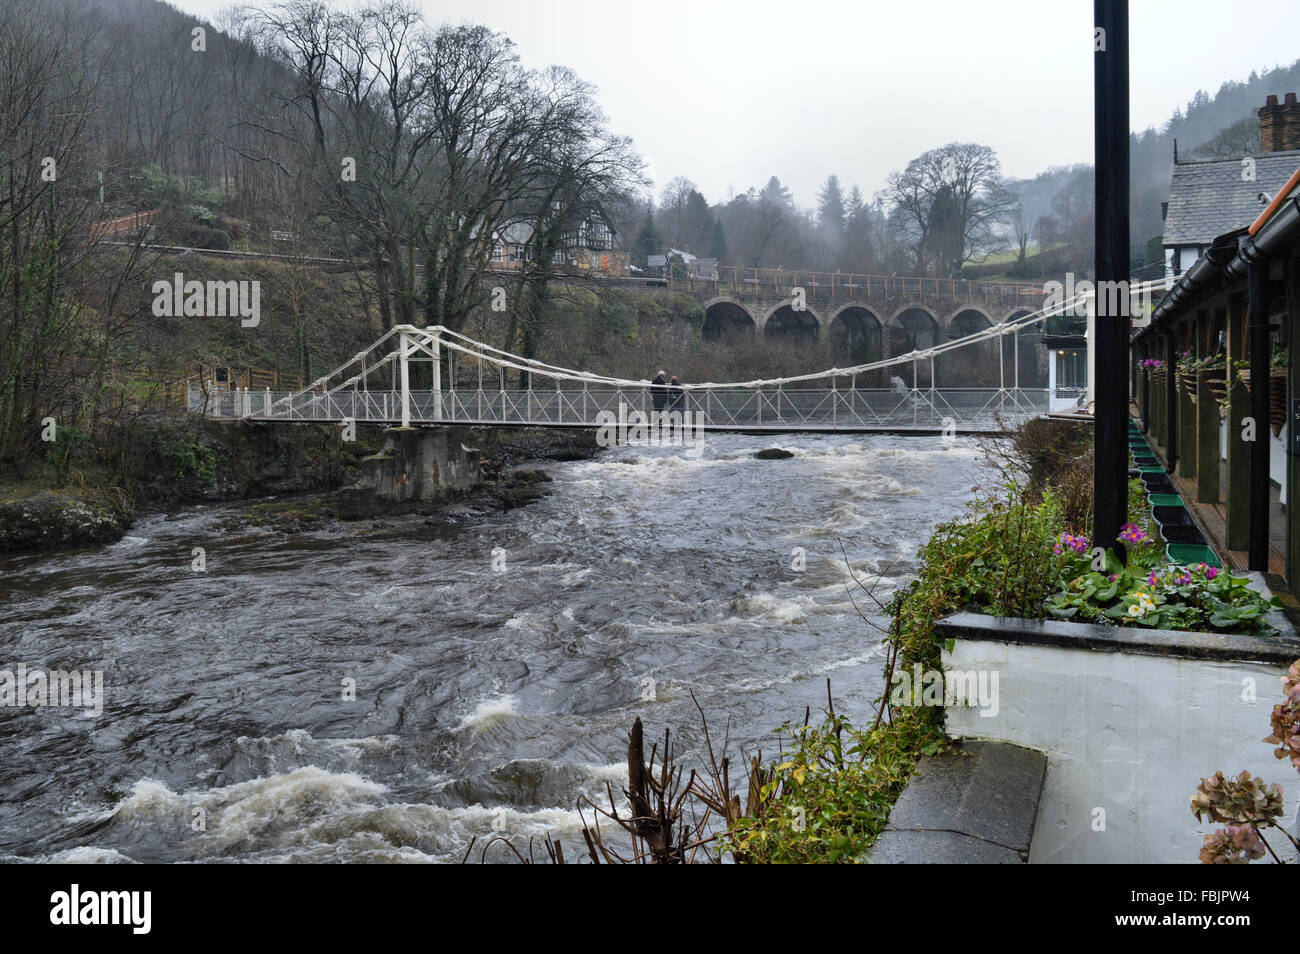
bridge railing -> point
(778, 282)
(716, 408)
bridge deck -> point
(776, 410)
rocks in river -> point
(773, 453)
(511, 497)
(293, 515)
(528, 476)
(508, 446)
(49, 520)
(519, 487)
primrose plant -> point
(1142, 592)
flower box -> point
(1276, 376)
(1217, 381)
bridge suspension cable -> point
(396, 349)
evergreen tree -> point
(697, 224)
(647, 240)
(857, 254)
(830, 209)
(718, 241)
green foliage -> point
(617, 318)
(193, 235)
(997, 559)
(164, 190)
(1199, 598)
(1139, 511)
(197, 460)
(832, 791)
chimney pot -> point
(1279, 125)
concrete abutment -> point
(421, 464)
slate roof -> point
(1207, 199)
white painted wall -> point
(1276, 453)
(1277, 458)
(1130, 734)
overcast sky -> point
(730, 92)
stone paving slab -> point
(975, 804)
(939, 848)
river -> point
(499, 658)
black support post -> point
(1259, 410)
(1110, 355)
(1144, 396)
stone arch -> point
(967, 321)
(965, 312)
(726, 319)
(912, 328)
(782, 321)
(976, 364)
(856, 335)
(1033, 352)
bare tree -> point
(581, 171)
(47, 90)
(949, 201)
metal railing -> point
(779, 282)
(716, 409)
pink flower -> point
(1078, 544)
(1211, 572)
(1132, 533)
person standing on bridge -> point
(678, 396)
(659, 392)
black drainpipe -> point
(1259, 410)
(1144, 388)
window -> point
(498, 253)
(1071, 369)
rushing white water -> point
(498, 658)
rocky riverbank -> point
(51, 520)
(300, 479)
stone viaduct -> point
(890, 315)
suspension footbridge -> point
(375, 386)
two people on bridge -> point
(667, 396)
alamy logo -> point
(934, 687)
(102, 907)
(74, 689)
(1100, 299)
(195, 299)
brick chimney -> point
(1279, 126)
